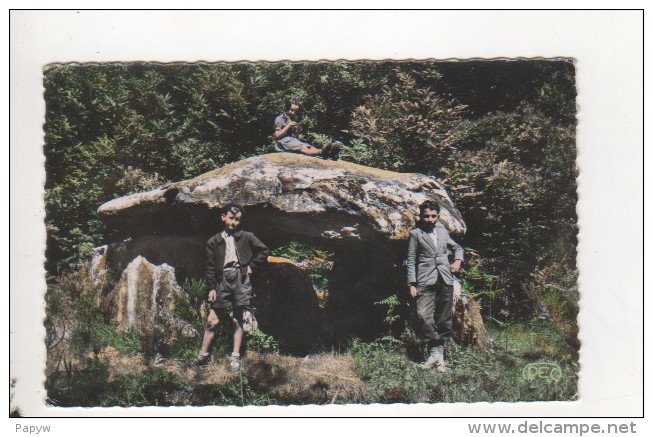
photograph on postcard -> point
(310, 233)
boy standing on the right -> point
(430, 280)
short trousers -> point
(235, 289)
(229, 313)
(291, 144)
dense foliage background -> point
(500, 134)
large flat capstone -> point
(287, 196)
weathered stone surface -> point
(145, 299)
(147, 296)
(186, 253)
(363, 214)
(287, 308)
(468, 327)
(288, 196)
(360, 279)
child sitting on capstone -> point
(232, 256)
(286, 133)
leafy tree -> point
(405, 127)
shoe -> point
(235, 363)
(202, 361)
(326, 151)
(435, 359)
(158, 360)
(250, 324)
(431, 360)
(335, 151)
(439, 365)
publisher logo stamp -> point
(549, 372)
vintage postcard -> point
(320, 232)
(147, 163)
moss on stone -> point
(293, 160)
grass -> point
(155, 387)
(128, 343)
(379, 371)
(92, 334)
(492, 376)
(97, 384)
(390, 376)
(92, 386)
(534, 340)
(385, 370)
(237, 391)
(563, 309)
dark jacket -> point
(250, 250)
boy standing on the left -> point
(232, 256)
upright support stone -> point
(146, 299)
